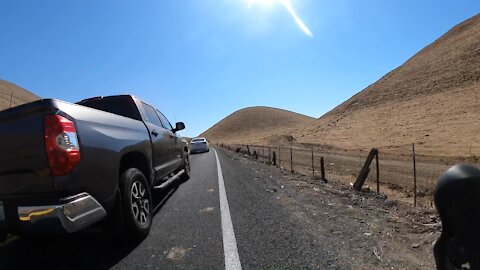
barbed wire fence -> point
(408, 177)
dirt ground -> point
(371, 231)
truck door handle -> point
(154, 133)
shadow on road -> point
(85, 250)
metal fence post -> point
(313, 165)
(378, 173)
(291, 159)
(414, 177)
(279, 157)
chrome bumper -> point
(73, 215)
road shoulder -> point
(344, 228)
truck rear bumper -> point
(75, 213)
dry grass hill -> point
(432, 100)
(20, 95)
(253, 124)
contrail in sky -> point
(288, 5)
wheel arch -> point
(136, 160)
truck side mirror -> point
(457, 199)
(179, 126)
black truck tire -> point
(137, 205)
(186, 166)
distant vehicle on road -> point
(199, 145)
(64, 166)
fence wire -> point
(396, 169)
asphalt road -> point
(192, 229)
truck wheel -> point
(186, 166)
(136, 203)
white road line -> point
(232, 260)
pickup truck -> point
(65, 167)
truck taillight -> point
(61, 144)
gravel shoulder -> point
(359, 230)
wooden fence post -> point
(414, 177)
(362, 176)
(269, 155)
(291, 159)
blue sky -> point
(200, 60)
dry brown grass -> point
(432, 100)
(255, 123)
(20, 95)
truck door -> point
(161, 143)
(177, 152)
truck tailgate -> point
(23, 161)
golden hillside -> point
(433, 100)
(13, 95)
(251, 125)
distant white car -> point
(199, 145)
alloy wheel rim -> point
(140, 202)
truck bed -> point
(103, 137)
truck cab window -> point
(150, 114)
(166, 124)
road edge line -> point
(232, 259)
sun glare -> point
(261, 2)
(289, 7)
